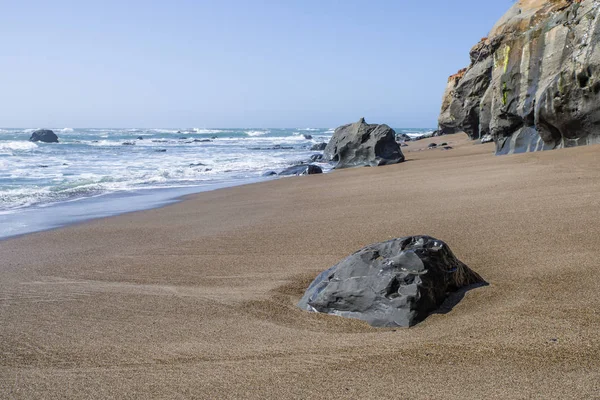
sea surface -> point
(96, 172)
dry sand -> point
(196, 300)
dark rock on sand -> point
(44, 135)
(304, 169)
(362, 144)
(447, 148)
(432, 145)
(394, 283)
(318, 147)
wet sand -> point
(197, 299)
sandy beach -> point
(197, 299)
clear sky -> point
(233, 63)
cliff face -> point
(534, 83)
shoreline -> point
(66, 213)
(198, 298)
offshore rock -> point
(394, 283)
(362, 144)
(303, 169)
(44, 135)
(534, 83)
(318, 147)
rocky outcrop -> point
(44, 135)
(534, 83)
(394, 283)
(362, 144)
(303, 169)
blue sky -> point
(233, 63)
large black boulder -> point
(318, 147)
(44, 135)
(394, 283)
(303, 169)
(362, 144)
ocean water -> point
(108, 165)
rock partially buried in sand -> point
(44, 135)
(394, 283)
(304, 169)
(362, 144)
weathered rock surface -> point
(394, 283)
(44, 135)
(303, 169)
(362, 144)
(534, 83)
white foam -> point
(256, 133)
(16, 145)
(206, 131)
(105, 142)
(416, 135)
(71, 173)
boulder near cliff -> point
(362, 144)
(534, 82)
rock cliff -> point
(534, 82)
